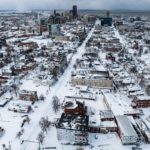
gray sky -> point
(82, 4)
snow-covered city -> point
(74, 79)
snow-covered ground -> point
(11, 121)
(41, 109)
(41, 42)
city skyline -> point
(67, 4)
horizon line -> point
(40, 9)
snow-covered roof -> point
(125, 126)
(94, 121)
(143, 97)
(119, 104)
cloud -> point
(67, 4)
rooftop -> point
(125, 126)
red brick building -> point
(141, 102)
(75, 107)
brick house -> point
(141, 102)
(28, 95)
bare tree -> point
(133, 69)
(74, 66)
(77, 62)
(56, 104)
(41, 137)
(15, 88)
(44, 124)
(28, 119)
(141, 83)
(41, 97)
(20, 133)
(148, 90)
(55, 72)
(4, 146)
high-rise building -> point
(43, 25)
(106, 21)
(108, 14)
(74, 11)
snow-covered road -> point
(45, 109)
(117, 34)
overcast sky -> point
(67, 4)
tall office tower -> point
(74, 12)
(55, 12)
(108, 14)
